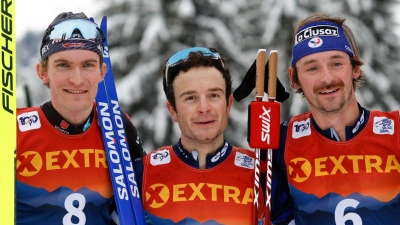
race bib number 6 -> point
(341, 217)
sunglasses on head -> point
(183, 55)
(67, 29)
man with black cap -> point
(338, 163)
(61, 168)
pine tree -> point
(153, 31)
(143, 34)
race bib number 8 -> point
(69, 204)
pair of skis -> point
(126, 192)
(8, 113)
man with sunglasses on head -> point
(338, 163)
(61, 168)
(201, 178)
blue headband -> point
(317, 37)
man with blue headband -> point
(339, 163)
(201, 179)
(62, 175)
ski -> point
(8, 112)
(126, 192)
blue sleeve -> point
(132, 136)
(282, 201)
(138, 168)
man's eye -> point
(312, 69)
(337, 64)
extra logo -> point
(243, 160)
(301, 129)
(383, 125)
(160, 157)
(157, 195)
(302, 169)
(28, 121)
(299, 169)
(29, 163)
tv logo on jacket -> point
(301, 129)
(160, 157)
(28, 121)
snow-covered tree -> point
(143, 34)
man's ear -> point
(103, 70)
(294, 84)
(42, 73)
(172, 112)
(356, 72)
(230, 101)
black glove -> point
(249, 83)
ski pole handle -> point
(260, 73)
(272, 72)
